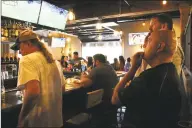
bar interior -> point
(77, 33)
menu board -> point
(137, 38)
(52, 16)
(58, 42)
(27, 10)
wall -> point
(131, 27)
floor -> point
(102, 122)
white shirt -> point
(48, 110)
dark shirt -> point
(153, 99)
(103, 77)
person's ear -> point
(164, 26)
(160, 47)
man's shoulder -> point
(31, 58)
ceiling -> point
(89, 12)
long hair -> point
(121, 63)
(43, 49)
(90, 61)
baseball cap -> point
(24, 36)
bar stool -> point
(94, 99)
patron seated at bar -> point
(102, 76)
(76, 61)
(41, 79)
(152, 99)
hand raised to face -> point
(136, 60)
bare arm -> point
(32, 91)
(86, 82)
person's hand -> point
(76, 81)
(136, 60)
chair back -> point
(94, 98)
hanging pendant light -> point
(71, 15)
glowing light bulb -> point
(164, 2)
(143, 23)
(98, 26)
(71, 15)
(68, 39)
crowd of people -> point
(152, 97)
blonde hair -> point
(49, 57)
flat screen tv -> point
(25, 10)
(52, 16)
(137, 38)
(58, 42)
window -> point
(112, 49)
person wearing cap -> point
(153, 99)
(40, 78)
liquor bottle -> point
(11, 58)
(15, 58)
(10, 29)
(7, 58)
(5, 30)
(13, 30)
(17, 30)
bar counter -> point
(74, 99)
(74, 102)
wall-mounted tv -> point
(26, 10)
(137, 38)
(52, 16)
(58, 42)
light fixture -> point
(143, 23)
(99, 26)
(71, 15)
(164, 2)
(68, 39)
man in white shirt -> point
(41, 79)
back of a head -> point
(129, 59)
(165, 18)
(115, 60)
(167, 36)
(62, 57)
(100, 57)
(121, 59)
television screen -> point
(52, 16)
(137, 38)
(58, 42)
(21, 10)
